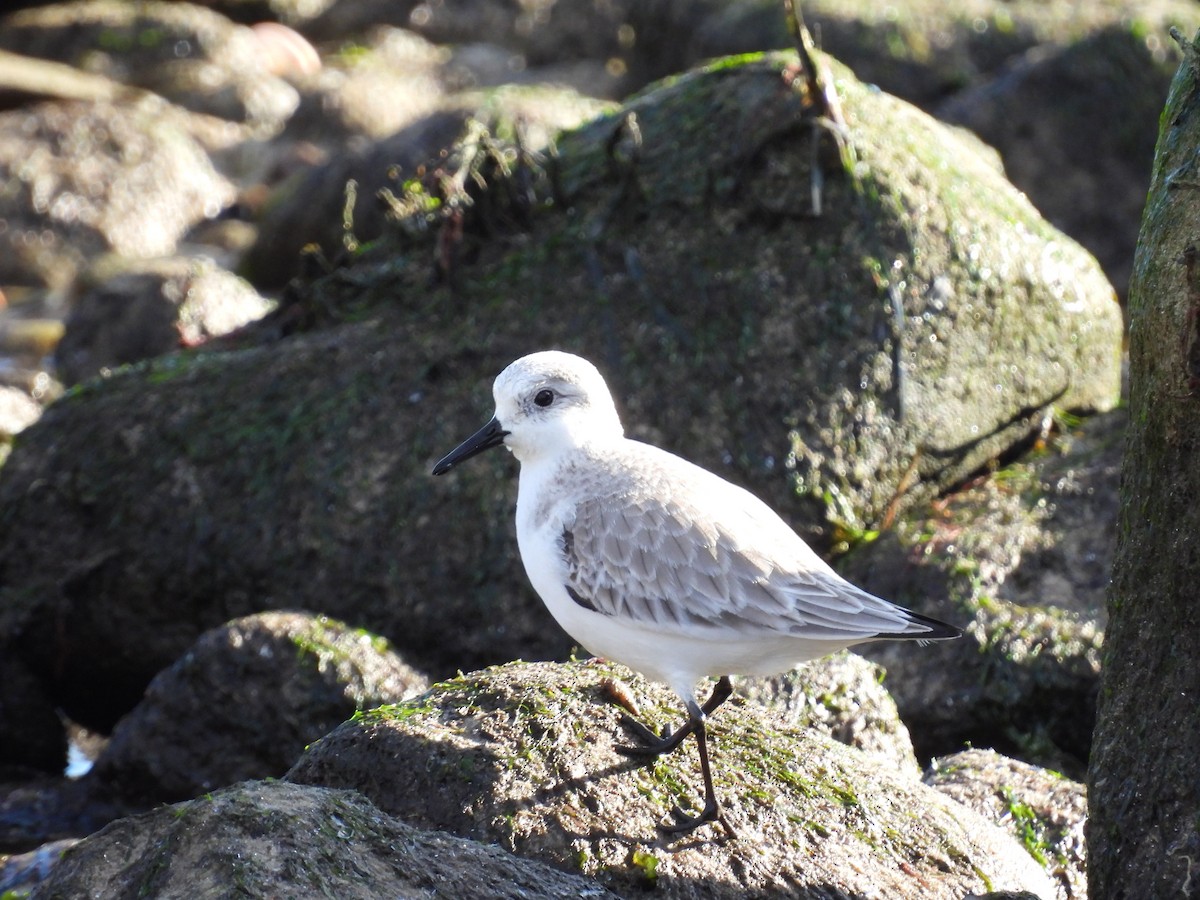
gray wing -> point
(667, 566)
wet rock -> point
(186, 53)
(45, 809)
(78, 179)
(1041, 808)
(244, 702)
(21, 872)
(150, 308)
(273, 839)
(1024, 554)
(522, 755)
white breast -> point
(546, 499)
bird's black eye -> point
(544, 397)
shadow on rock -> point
(522, 755)
(242, 703)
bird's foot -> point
(649, 744)
(684, 823)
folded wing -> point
(672, 567)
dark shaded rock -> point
(1041, 808)
(78, 179)
(314, 484)
(1023, 680)
(147, 309)
(26, 710)
(272, 839)
(1025, 553)
(186, 53)
(21, 872)
(522, 755)
(34, 811)
(244, 702)
(843, 696)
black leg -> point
(683, 822)
(721, 692)
(652, 744)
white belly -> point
(674, 655)
(675, 658)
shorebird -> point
(654, 562)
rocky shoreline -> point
(228, 373)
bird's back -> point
(657, 543)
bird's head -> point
(546, 403)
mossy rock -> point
(843, 366)
(1022, 555)
(270, 839)
(243, 703)
(523, 755)
(844, 697)
(1044, 810)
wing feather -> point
(657, 565)
(672, 546)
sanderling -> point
(651, 561)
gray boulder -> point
(845, 367)
(85, 178)
(272, 839)
(244, 702)
(522, 755)
(843, 696)
(1045, 811)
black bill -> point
(490, 435)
